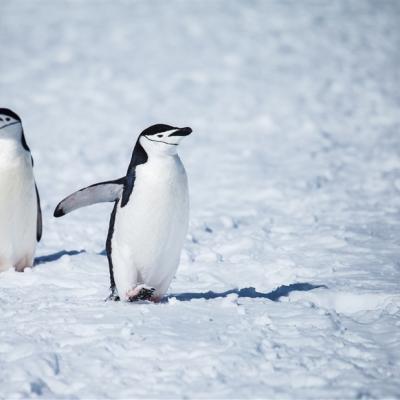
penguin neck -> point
(157, 150)
(12, 141)
(159, 157)
(10, 150)
(141, 155)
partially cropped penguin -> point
(20, 213)
(150, 217)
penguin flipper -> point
(39, 224)
(102, 192)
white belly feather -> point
(150, 230)
(18, 211)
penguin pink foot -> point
(140, 292)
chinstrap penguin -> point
(20, 212)
(149, 220)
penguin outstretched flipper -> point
(102, 192)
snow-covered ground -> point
(294, 170)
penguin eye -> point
(1, 119)
(160, 135)
(7, 119)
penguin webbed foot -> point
(113, 295)
(140, 293)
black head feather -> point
(9, 113)
(158, 128)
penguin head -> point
(10, 124)
(11, 128)
(163, 139)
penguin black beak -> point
(181, 132)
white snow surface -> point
(294, 172)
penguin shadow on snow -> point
(56, 256)
(250, 292)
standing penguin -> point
(150, 217)
(20, 213)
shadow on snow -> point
(56, 256)
(281, 291)
(250, 292)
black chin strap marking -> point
(12, 123)
(160, 141)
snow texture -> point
(288, 286)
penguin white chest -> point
(150, 229)
(18, 212)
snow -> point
(294, 171)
